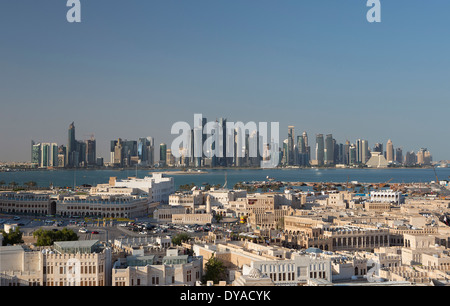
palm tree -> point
(13, 184)
(31, 184)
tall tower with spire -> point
(72, 156)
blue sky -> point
(132, 68)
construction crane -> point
(91, 136)
(435, 174)
(381, 185)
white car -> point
(83, 230)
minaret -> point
(208, 204)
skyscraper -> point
(35, 154)
(91, 152)
(308, 148)
(424, 157)
(378, 148)
(284, 160)
(163, 154)
(44, 155)
(62, 156)
(390, 151)
(399, 155)
(346, 157)
(146, 151)
(358, 150)
(329, 150)
(117, 149)
(364, 151)
(410, 158)
(72, 160)
(290, 146)
(353, 155)
(302, 153)
(319, 149)
(80, 154)
(222, 146)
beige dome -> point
(255, 273)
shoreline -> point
(176, 170)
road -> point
(106, 231)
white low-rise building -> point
(151, 270)
(158, 187)
(71, 263)
(387, 196)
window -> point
(188, 276)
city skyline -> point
(318, 65)
(294, 151)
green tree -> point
(13, 237)
(180, 238)
(186, 187)
(218, 218)
(47, 238)
(215, 270)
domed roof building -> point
(253, 278)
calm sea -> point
(69, 178)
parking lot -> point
(110, 230)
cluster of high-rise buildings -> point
(242, 147)
(249, 149)
(76, 154)
(328, 152)
(126, 153)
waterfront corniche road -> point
(67, 178)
